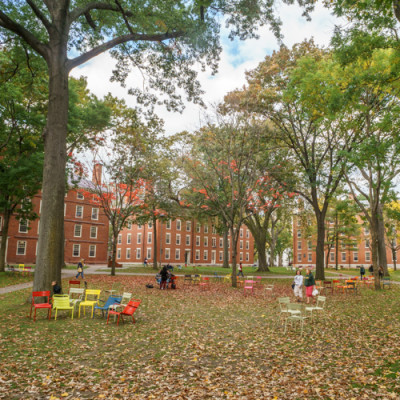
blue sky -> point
(236, 58)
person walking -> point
(298, 285)
(145, 262)
(380, 272)
(362, 272)
(309, 283)
(240, 271)
(81, 264)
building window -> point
(118, 254)
(309, 245)
(197, 255)
(80, 196)
(128, 254)
(205, 255)
(241, 244)
(221, 256)
(247, 234)
(309, 257)
(139, 226)
(197, 240)
(76, 250)
(149, 237)
(241, 257)
(168, 238)
(177, 254)
(119, 239)
(299, 257)
(247, 257)
(92, 250)
(198, 228)
(129, 225)
(241, 232)
(366, 231)
(247, 245)
(21, 248)
(138, 254)
(128, 238)
(355, 256)
(178, 239)
(148, 253)
(79, 212)
(343, 257)
(187, 240)
(23, 226)
(298, 245)
(139, 238)
(178, 224)
(205, 228)
(93, 232)
(214, 230)
(367, 244)
(188, 226)
(332, 257)
(299, 234)
(367, 256)
(167, 254)
(214, 242)
(206, 242)
(78, 231)
(168, 224)
(221, 242)
(95, 214)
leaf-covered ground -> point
(13, 278)
(211, 344)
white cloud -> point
(232, 66)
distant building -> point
(181, 242)
(85, 231)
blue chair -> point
(217, 277)
(110, 301)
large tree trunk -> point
(234, 236)
(226, 250)
(260, 242)
(374, 248)
(50, 246)
(4, 237)
(394, 257)
(319, 268)
(155, 255)
(381, 242)
(114, 253)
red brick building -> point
(348, 256)
(180, 242)
(85, 232)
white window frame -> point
(221, 242)
(118, 254)
(119, 239)
(167, 238)
(343, 257)
(247, 257)
(65, 208)
(128, 254)
(299, 257)
(149, 237)
(78, 207)
(299, 234)
(25, 245)
(91, 246)
(178, 239)
(78, 226)
(247, 234)
(367, 244)
(76, 246)
(197, 255)
(247, 245)
(221, 256)
(368, 256)
(138, 253)
(178, 224)
(241, 245)
(129, 225)
(150, 224)
(95, 214)
(213, 230)
(205, 255)
(241, 232)
(299, 245)
(206, 228)
(198, 227)
(148, 252)
(332, 257)
(177, 254)
(188, 226)
(168, 224)
(80, 196)
(139, 238)
(197, 240)
(167, 253)
(91, 232)
(309, 245)
(240, 256)
(205, 241)
(355, 256)
(129, 238)
(309, 257)
(187, 240)
(23, 225)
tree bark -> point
(319, 250)
(114, 253)
(155, 255)
(374, 248)
(226, 250)
(381, 242)
(4, 237)
(260, 242)
(234, 236)
(50, 252)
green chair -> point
(319, 306)
(296, 313)
(62, 302)
(283, 309)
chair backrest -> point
(205, 279)
(74, 282)
(21, 266)
(187, 277)
(131, 307)
(126, 297)
(248, 282)
(112, 300)
(295, 307)
(328, 284)
(43, 293)
(92, 293)
(250, 277)
(61, 301)
(321, 301)
(335, 281)
(76, 293)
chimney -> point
(97, 168)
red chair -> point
(129, 310)
(205, 281)
(74, 282)
(249, 285)
(40, 305)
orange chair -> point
(129, 310)
(249, 285)
(205, 281)
(258, 281)
(35, 306)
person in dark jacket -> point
(164, 277)
(56, 287)
(309, 283)
(362, 272)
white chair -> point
(296, 313)
(76, 296)
(319, 306)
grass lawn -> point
(212, 344)
(13, 278)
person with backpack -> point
(371, 270)
(362, 272)
(240, 271)
(80, 268)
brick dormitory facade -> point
(350, 256)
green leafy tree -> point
(163, 39)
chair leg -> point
(55, 316)
(72, 314)
(108, 317)
(34, 315)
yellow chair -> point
(228, 278)
(62, 302)
(92, 297)
(196, 279)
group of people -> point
(166, 277)
(308, 281)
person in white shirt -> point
(298, 285)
